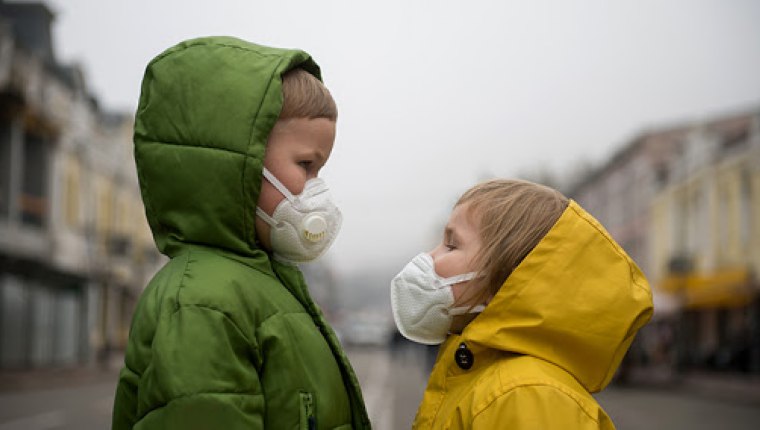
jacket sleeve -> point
(125, 401)
(535, 407)
(202, 375)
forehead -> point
(301, 135)
(463, 221)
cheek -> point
(294, 179)
(290, 174)
(262, 233)
(458, 290)
(471, 259)
(450, 264)
(439, 264)
(269, 197)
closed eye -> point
(448, 239)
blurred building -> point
(620, 193)
(75, 248)
(685, 203)
(706, 222)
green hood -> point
(206, 109)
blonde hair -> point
(514, 216)
(305, 96)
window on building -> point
(34, 200)
(724, 219)
(688, 220)
(699, 228)
(72, 194)
(745, 208)
(14, 323)
(5, 167)
(736, 138)
(104, 220)
(661, 175)
(119, 242)
(679, 224)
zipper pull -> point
(307, 411)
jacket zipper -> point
(308, 420)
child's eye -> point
(305, 164)
(451, 246)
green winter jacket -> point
(223, 337)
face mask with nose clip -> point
(303, 226)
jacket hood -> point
(205, 112)
(577, 300)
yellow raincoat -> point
(554, 333)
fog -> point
(436, 96)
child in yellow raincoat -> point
(535, 306)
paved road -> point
(640, 409)
(67, 408)
(401, 376)
(393, 382)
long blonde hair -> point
(514, 216)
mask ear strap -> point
(461, 310)
(458, 278)
(277, 184)
(267, 219)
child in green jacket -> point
(229, 139)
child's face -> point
(455, 254)
(296, 151)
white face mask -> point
(302, 226)
(422, 301)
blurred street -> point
(637, 408)
(392, 380)
(393, 383)
(76, 401)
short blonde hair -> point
(305, 96)
(514, 216)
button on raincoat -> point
(223, 337)
(555, 332)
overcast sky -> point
(435, 95)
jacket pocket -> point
(308, 412)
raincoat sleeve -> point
(535, 407)
(202, 374)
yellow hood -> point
(577, 300)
